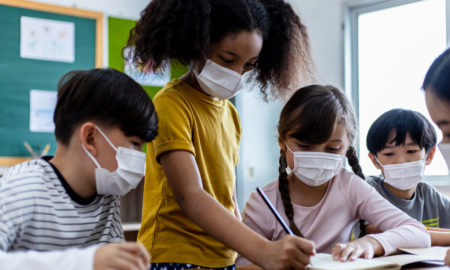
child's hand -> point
(365, 247)
(122, 256)
(291, 252)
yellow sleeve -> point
(174, 124)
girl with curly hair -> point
(190, 215)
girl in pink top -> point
(319, 198)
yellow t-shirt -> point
(210, 129)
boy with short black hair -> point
(401, 143)
(68, 204)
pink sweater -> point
(347, 199)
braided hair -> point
(310, 116)
(283, 187)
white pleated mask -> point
(220, 82)
(130, 170)
(403, 176)
(316, 168)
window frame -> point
(352, 10)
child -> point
(319, 198)
(401, 142)
(190, 216)
(437, 96)
(102, 118)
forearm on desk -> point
(440, 238)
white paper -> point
(145, 77)
(44, 39)
(42, 107)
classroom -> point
(330, 91)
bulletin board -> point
(20, 74)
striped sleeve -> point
(16, 208)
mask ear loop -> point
(379, 163)
(91, 156)
(106, 138)
(288, 147)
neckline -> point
(220, 103)
(72, 194)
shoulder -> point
(352, 185)
(255, 201)
(257, 214)
(26, 186)
(346, 178)
(31, 172)
(428, 191)
(374, 181)
(175, 89)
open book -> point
(433, 255)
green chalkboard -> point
(20, 75)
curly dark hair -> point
(184, 31)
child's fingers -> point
(336, 251)
(132, 260)
(122, 264)
(144, 254)
(356, 253)
(345, 253)
(305, 245)
(137, 249)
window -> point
(390, 45)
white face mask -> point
(220, 82)
(130, 170)
(403, 176)
(445, 151)
(316, 168)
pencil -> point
(274, 211)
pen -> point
(45, 151)
(274, 211)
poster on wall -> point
(42, 107)
(49, 40)
(145, 76)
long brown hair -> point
(310, 116)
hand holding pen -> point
(294, 252)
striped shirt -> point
(39, 211)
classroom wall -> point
(259, 155)
(259, 150)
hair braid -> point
(283, 186)
(354, 162)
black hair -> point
(105, 96)
(184, 31)
(310, 116)
(402, 122)
(437, 78)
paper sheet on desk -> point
(323, 261)
(435, 253)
